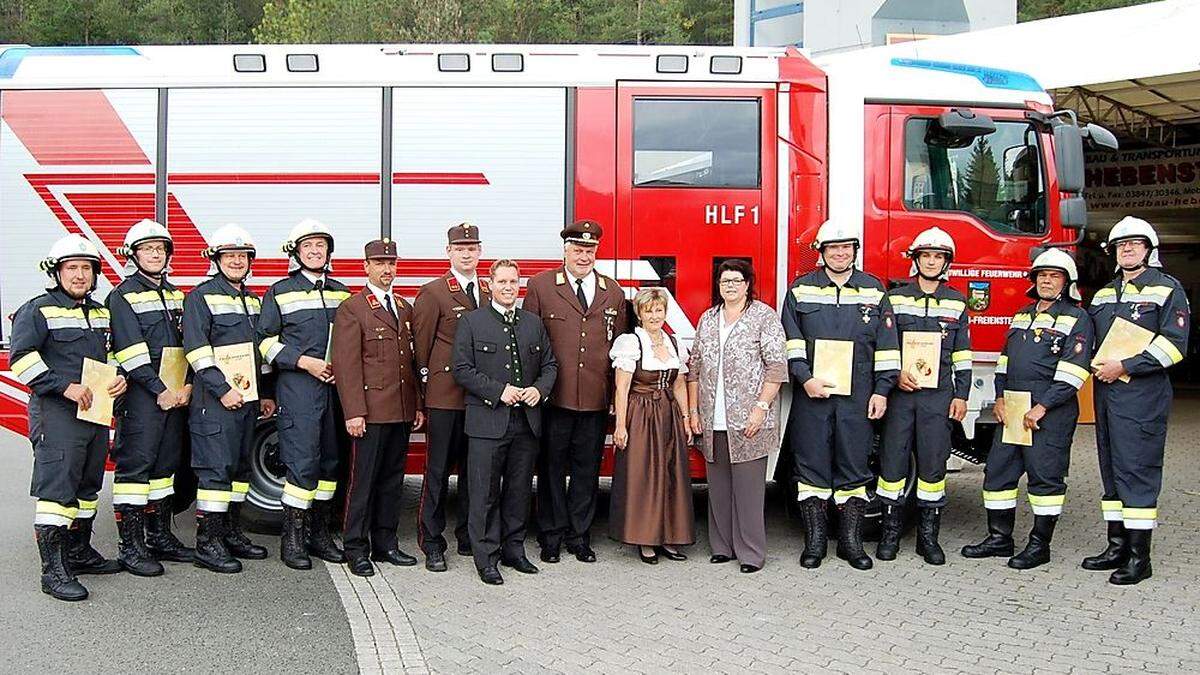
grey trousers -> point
(736, 522)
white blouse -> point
(624, 353)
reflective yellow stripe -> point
(22, 364)
(298, 492)
(326, 485)
(1140, 514)
(266, 345)
(860, 491)
(162, 483)
(1104, 292)
(999, 495)
(939, 486)
(1078, 371)
(1168, 348)
(887, 355)
(131, 351)
(239, 488)
(131, 488)
(88, 505)
(961, 355)
(1047, 500)
(794, 344)
(200, 353)
(55, 312)
(891, 486)
(212, 495)
(56, 509)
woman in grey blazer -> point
(736, 368)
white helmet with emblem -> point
(836, 232)
(70, 247)
(144, 231)
(306, 229)
(229, 238)
(1060, 260)
(932, 239)
(1131, 227)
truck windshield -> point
(712, 143)
(996, 178)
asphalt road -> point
(266, 619)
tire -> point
(263, 512)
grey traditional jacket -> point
(753, 354)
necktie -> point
(387, 301)
(509, 315)
(579, 294)
(471, 294)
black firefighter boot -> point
(320, 539)
(210, 552)
(999, 541)
(927, 536)
(236, 541)
(1037, 551)
(1114, 554)
(82, 558)
(132, 553)
(1137, 566)
(57, 579)
(850, 534)
(293, 538)
(162, 543)
(816, 532)
(893, 527)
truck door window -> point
(710, 143)
(997, 178)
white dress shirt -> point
(463, 281)
(589, 286)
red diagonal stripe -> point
(70, 127)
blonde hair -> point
(649, 296)
(504, 262)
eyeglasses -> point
(1130, 243)
(152, 248)
(732, 282)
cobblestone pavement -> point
(621, 615)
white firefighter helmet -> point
(70, 247)
(932, 239)
(1131, 227)
(306, 229)
(835, 232)
(228, 238)
(144, 231)
(1060, 260)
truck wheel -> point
(263, 512)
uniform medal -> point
(1135, 314)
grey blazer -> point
(479, 360)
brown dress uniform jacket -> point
(439, 305)
(581, 340)
(373, 360)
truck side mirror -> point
(1099, 137)
(1068, 157)
(965, 125)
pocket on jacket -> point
(486, 347)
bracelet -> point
(695, 411)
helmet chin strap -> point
(315, 270)
(927, 277)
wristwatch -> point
(762, 405)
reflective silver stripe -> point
(203, 362)
(301, 305)
(273, 351)
(138, 361)
(51, 519)
(1069, 378)
(60, 322)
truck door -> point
(695, 186)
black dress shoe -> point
(360, 566)
(435, 561)
(549, 555)
(491, 576)
(464, 548)
(521, 565)
(584, 553)
(669, 555)
(394, 556)
(750, 569)
(651, 559)
(717, 559)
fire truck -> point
(688, 156)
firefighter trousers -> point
(308, 422)
(1131, 438)
(831, 444)
(917, 423)
(149, 441)
(68, 461)
(222, 444)
(1045, 462)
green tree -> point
(1031, 10)
(978, 188)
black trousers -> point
(376, 484)
(68, 461)
(572, 446)
(501, 474)
(149, 443)
(446, 447)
